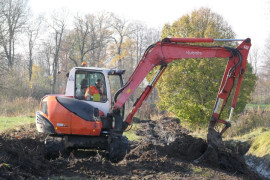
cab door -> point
(85, 81)
(116, 83)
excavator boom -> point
(171, 49)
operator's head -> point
(84, 84)
(99, 83)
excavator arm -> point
(171, 49)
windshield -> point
(90, 86)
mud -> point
(166, 151)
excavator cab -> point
(84, 109)
(94, 86)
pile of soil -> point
(22, 153)
(166, 151)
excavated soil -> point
(166, 151)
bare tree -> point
(82, 31)
(266, 64)
(143, 36)
(139, 37)
(70, 47)
(262, 90)
(121, 29)
(101, 37)
(32, 32)
(13, 17)
(253, 59)
(44, 56)
(91, 38)
(58, 26)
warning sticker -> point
(128, 91)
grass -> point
(258, 155)
(12, 122)
(131, 134)
(261, 145)
(263, 106)
(198, 133)
(19, 106)
(203, 172)
(250, 136)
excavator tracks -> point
(117, 147)
(54, 147)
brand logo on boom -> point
(193, 52)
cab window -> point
(116, 83)
(90, 86)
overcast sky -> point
(248, 18)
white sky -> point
(248, 18)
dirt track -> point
(165, 152)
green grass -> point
(261, 145)
(262, 106)
(202, 172)
(252, 134)
(259, 139)
(131, 134)
(12, 122)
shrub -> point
(250, 119)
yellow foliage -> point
(126, 51)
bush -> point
(250, 119)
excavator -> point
(91, 112)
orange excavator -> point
(91, 112)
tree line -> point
(38, 52)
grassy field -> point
(262, 106)
(259, 139)
(260, 144)
(12, 122)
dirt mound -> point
(165, 152)
(173, 141)
(21, 153)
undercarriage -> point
(116, 146)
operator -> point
(95, 92)
(80, 93)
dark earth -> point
(166, 151)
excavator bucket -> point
(214, 138)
